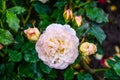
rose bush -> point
(58, 41)
(58, 46)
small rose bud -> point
(68, 15)
(1, 46)
(78, 20)
(88, 48)
(32, 34)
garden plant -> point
(54, 40)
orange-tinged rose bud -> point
(88, 48)
(78, 20)
(32, 34)
(1, 46)
(68, 14)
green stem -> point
(13, 1)
(90, 70)
(82, 4)
(28, 15)
(1, 23)
(0, 10)
(4, 5)
(85, 66)
(99, 70)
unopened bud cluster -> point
(68, 15)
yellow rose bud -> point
(32, 34)
(88, 48)
(1, 46)
(78, 20)
(68, 14)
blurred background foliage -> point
(18, 58)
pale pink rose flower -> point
(57, 47)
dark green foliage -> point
(84, 76)
(111, 75)
(19, 59)
(5, 37)
(98, 33)
(69, 74)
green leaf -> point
(45, 68)
(88, 77)
(80, 76)
(69, 74)
(52, 75)
(111, 62)
(82, 30)
(110, 74)
(98, 33)
(44, 21)
(19, 42)
(59, 19)
(2, 68)
(41, 8)
(31, 56)
(12, 21)
(117, 59)
(6, 68)
(96, 14)
(29, 46)
(5, 37)
(84, 76)
(60, 4)
(77, 61)
(26, 70)
(117, 68)
(100, 49)
(17, 10)
(81, 11)
(91, 4)
(0, 4)
(15, 56)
